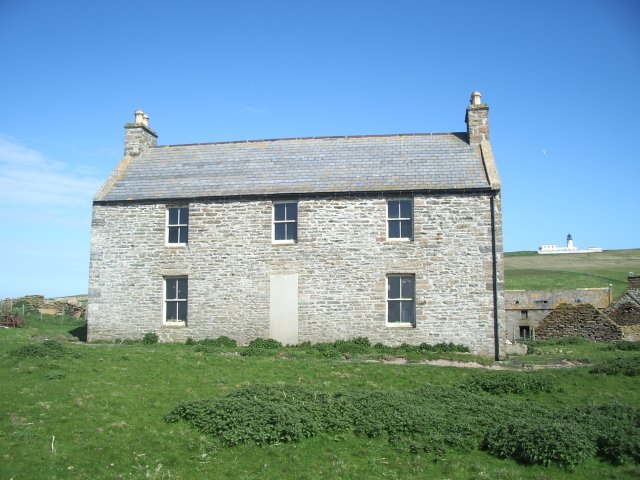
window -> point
(399, 219)
(177, 225)
(285, 222)
(401, 299)
(175, 299)
(524, 314)
(525, 332)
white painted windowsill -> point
(393, 240)
(283, 242)
(174, 324)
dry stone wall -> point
(625, 314)
(626, 310)
(342, 258)
(582, 320)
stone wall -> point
(626, 310)
(578, 321)
(342, 258)
(530, 307)
(625, 313)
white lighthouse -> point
(570, 243)
(547, 248)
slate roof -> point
(381, 163)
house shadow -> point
(80, 332)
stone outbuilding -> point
(397, 238)
(526, 309)
(626, 310)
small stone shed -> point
(526, 309)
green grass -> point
(97, 410)
(530, 271)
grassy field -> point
(98, 410)
(530, 271)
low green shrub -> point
(265, 343)
(150, 338)
(261, 346)
(47, 348)
(354, 346)
(618, 366)
(625, 345)
(500, 383)
(541, 441)
(613, 428)
(214, 345)
(258, 414)
(429, 419)
(442, 347)
(55, 375)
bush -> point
(429, 419)
(48, 348)
(265, 343)
(541, 441)
(613, 428)
(500, 383)
(442, 347)
(150, 338)
(214, 345)
(55, 375)
(258, 414)
(11, 320)
(625, 345)
(354, 346)
(618, 366)
(261, 346)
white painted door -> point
(283, 311)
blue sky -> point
(562, 79)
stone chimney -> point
(138, 137)
(477, 119)
(634, 281)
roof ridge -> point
(322, 137)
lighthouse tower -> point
(570, 243)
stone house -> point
(394, 237)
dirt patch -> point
(502, 366)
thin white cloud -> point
(250, 109)
(29, 178)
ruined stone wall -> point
(530, 307)
(626, 310)
(342, 258)
(578, 321)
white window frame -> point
(274, 222)
(400, 219)
(401, 299)
(176, 225)
(166, 300)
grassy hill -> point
(528, 270)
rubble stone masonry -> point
(341, 257)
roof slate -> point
(302, 166)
